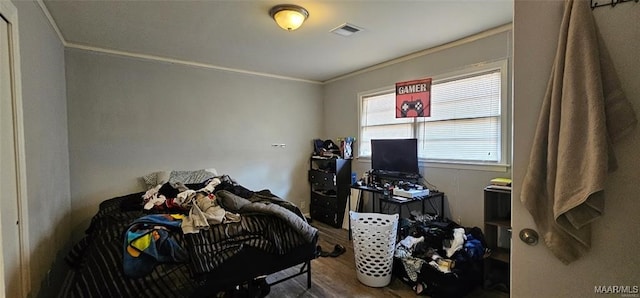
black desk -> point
(378, 194)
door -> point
(12, 188)
(4, 97)
(612, 261)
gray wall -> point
(46, 142)
(613, 259)
(129, 117)
(462, 187)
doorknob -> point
(529, 236)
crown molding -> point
(52, 22)
(490, 32)
(484, 34)
(181, 62)
(156, 58)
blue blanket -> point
(148, 241)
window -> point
(467, 123)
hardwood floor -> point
(336, 277)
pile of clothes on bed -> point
(439, 258)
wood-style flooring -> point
(336, 277)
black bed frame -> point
(251, 263)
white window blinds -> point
(378, 121)
(465, 120)
(465, 123)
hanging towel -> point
(583, 112)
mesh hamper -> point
(374, 237)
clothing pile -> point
(439, 258)
(201, 204)
(325, 148)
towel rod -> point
(611, 3)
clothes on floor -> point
(456, 244)
(440, 259)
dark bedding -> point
(271, 235)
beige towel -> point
(584, 110)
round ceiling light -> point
(289, 17)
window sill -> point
(454, 165)
(466, 166)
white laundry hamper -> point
(374, 239)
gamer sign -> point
(413, 98)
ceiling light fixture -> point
(288, 16)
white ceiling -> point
(240, 35)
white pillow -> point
(190, 177)
(155, 178)
(151, 180)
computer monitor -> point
(395, 156)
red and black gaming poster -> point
(413, 98)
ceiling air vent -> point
(346, 29)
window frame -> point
(504, 163)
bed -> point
(269, 235)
